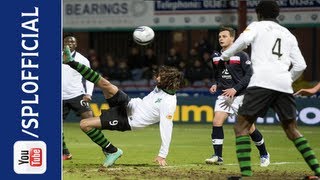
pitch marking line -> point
(275, 163)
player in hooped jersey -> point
(130, 114)
(274, 49)
(232, 77)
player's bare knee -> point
(291, 130)
(87, 114)
(239, 131)
(243, 125)
(84, 125)
(217, 122)
(236, 129)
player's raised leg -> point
(89, 74)
(92, 126)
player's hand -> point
(229, 92)
(160, 160)
(86, 98)
(213, 89)
(305, 92)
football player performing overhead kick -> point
(127, 114)
(274, 50)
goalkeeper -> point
(127, 114)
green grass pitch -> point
(190, 146)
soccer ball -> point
(143, 35)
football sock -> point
(88, 73)
(65, 149)
(98, 137)
(243, 149)
(217, 137)
(307, 153)
(258, 140)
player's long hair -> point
(170, 78)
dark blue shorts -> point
(116, 118)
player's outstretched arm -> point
(309, 91)
(160, 160)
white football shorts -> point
(225, 104)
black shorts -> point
(76, 104)
(257, 101)
(116, 118)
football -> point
(143, 35)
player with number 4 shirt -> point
(276, 62)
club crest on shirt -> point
(248, 62)
(158, 100)
(225, 74)
(169, 116)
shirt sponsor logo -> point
(30, 157)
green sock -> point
(88, 73)
(98, 137)
(243, 149)
(308, 154)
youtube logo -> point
(30, 157)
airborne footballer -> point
(127, 113)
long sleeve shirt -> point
(234, 73)
(72, 81)
(157, 106)
(273, 51)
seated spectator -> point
(173, 59)
(198, 72)
(203, 46)
(136, 63)
(151, 63)
(193, 54)
(94, 61)
(110, 68)
(123, 72)
(206, 59)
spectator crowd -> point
(136, 69)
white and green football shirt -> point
(157, 106)
(273, 50)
